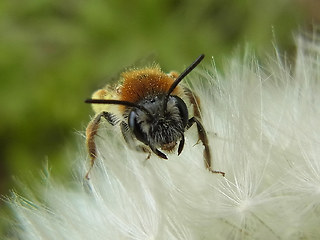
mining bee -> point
(153, 114)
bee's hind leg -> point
(92, 131)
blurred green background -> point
(54, 54)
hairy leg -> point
(204, 139)
(194, 100)
(91, 132)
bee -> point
(153, 115)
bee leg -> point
(195, 101)
(92, 131)
(204, 139)
(128, 137)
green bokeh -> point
(54, 54)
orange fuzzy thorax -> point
(143, 83)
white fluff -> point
(264, 130)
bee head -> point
(158, 128)
(165, 121)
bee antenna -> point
(180, 77)
(119, 102)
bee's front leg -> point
(204, 139)
(194, 100)
(91, 132)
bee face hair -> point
(164, 128)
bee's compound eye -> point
(183, 110)
(135, 127)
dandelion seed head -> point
(244, 205)
(263, 129)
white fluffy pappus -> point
(264, 131)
